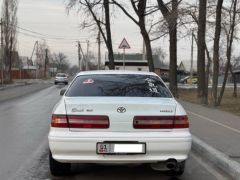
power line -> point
(45, 36)
(48, 38)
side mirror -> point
(62, 92)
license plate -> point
(121, 148)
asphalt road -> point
(217, 128)
(24, 125)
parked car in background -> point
(189, 80)
(114, 117)
(61, 78)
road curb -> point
(219, 159)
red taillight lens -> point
(85, 121)
(181, 122)
(160, 122)
(59, 121)
(153, 122)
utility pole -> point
(31, 59)
(37, 60)
(79, 56)
(99, 50)
(45, 64)
(191, 70)
(83, 55)
(2, 79)
(87, 59)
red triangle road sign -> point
(124, 44)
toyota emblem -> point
(121, 110)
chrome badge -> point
(121, 110)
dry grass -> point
(229, 103)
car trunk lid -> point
(119, 110)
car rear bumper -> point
(61, 81)
(80, 147)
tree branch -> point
(125, 12)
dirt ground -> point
(229, 103)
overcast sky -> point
(49, 17)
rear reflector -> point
(160, 122)
(85, 121)
(59, 121)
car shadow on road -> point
(90, 172)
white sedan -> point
(119, 117)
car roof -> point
(116, 72)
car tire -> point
(55, 83)
(179, 169)
(57, 168)
(66, 83)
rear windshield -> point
(61, 75)
(128, 85)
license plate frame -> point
(116, 148)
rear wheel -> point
(57, 168)
(179, 169)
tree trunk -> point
(207, 69)
(207, 74)
(229, 52)
(173, 62)
(216, 51)
(109, 37)
(145, 35)
(171, 18)
(224, 83)
(201, 51)
(148, 49)
(234, 82)
(173, 48)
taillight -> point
(59, 121)
(88, 121)
(181, 122)
(160, 122)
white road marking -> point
(215, 122)
(208, 167)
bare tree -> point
(171, 17)
(192, 10)
(216, 51)
(161, 54)
(60, 59)
(41, 55)
(9, 23)
(232, 12)
(202, 89)
(93, 8)
(139, 7)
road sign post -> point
(124, 45)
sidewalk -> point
(21, 88)
(217, 128)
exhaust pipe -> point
(171, 164)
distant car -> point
(118, 117)
(61, 78)
(189, 80)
